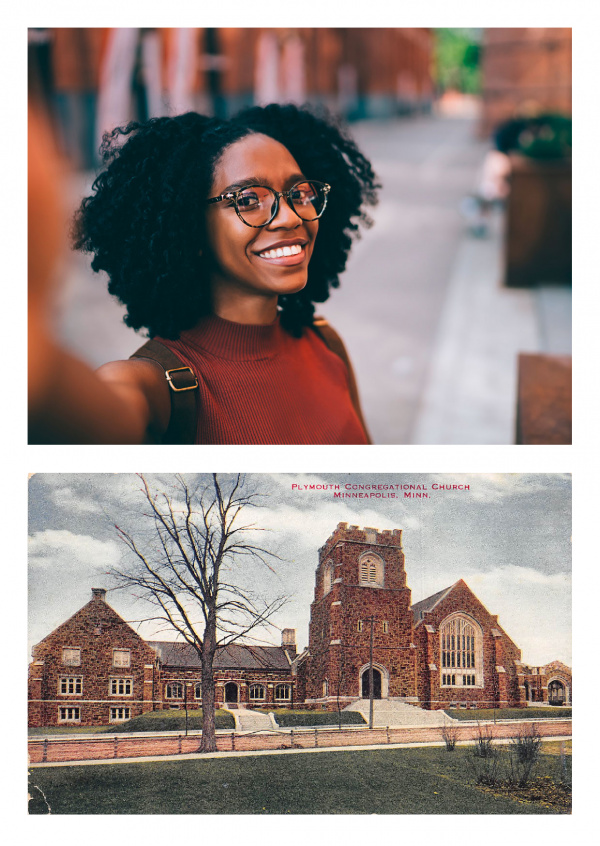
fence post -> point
(45, 752)
(180, 744)
(115, 748)
(387, 732)
(233, 741)
(316, 739)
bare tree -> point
(187, 567)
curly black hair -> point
(145, 221)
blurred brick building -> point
(95, 79)
(524, 71)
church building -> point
(446, 651)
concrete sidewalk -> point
(470, 393)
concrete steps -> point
(392, 713)
(251, 721)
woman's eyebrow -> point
(261, 180)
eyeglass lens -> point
(257, 203)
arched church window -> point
(460, 647)
(328, 577)
(370, 570)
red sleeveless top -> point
(260, 385)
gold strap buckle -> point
(178, 370)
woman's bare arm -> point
(124, 402)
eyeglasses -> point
(257, 205)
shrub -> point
(484, 747)
(524, 753)
(450, 735)
(484, 759)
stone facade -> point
(445, 651)
(95, 669)
(551, 684)
(360, 576)
(89, 666)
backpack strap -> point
(182, 381)
(332, 340)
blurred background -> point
(456, 306)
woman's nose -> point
(285, 217)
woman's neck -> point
(258, 310)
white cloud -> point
(60, 548)
(68, 499)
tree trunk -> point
(209, 737)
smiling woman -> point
(219, 237)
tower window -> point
(370, 570)
(359, 626)
(328, 577)
(385, 626)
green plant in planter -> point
(546, 137)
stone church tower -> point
(360, 576)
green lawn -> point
(509, 713)
(395, 781)
(287, 718)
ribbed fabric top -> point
(260, 385)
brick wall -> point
(524, 67)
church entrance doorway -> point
(556, 693)
(376, 684)
(231, 692)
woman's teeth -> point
(282, 251)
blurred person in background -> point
(219, 237)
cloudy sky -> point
(508, 537)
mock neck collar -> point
(235, 341)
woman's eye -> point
(302, 196)
(247, 201)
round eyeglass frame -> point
(234, 195)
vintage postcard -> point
(300, 644)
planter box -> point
(544, 399)
(538, 224)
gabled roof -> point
(96, 614)
(419, 608)
(233, 657)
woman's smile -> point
(285, 253)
